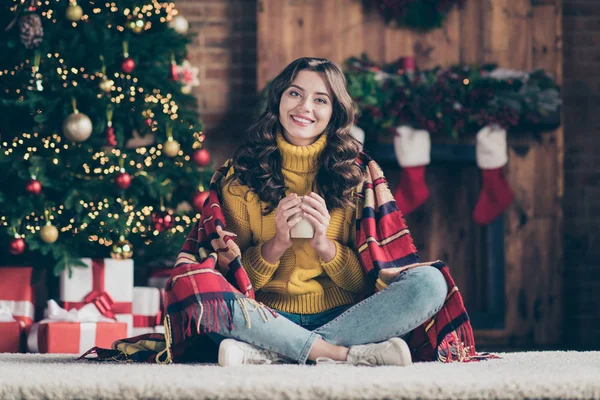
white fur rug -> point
(544, 375)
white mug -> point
(303, 229)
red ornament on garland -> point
(201, 157)
(33, 187)
(16, 246)
(111, 139)
(198, 200)
(128, 65)
(123, 180)
(163, 220)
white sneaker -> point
(235, 352)
(394, 351)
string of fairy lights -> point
(119, 87)
(136, 220)
(135, 16)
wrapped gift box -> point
(105, 282)
(147, 310)
(159, 277)
(74, 337)
(16, 294)
(11, 337)
(142, 331)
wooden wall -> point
(520, 34)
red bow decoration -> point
(103, 302)
(100, 297)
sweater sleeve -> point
(235, 211)
(345, 269)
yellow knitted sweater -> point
(300, 282)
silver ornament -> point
(77, 127)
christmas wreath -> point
(420, 15)
(452, 101)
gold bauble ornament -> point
(121, 250)
(186, 89)
(171, 148)
(74, 13)
(49, 234)
(106, 84)
(77, 127)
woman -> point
(300, 163)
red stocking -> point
(413, 152)
(494, 197)
(412, 190)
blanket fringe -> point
(459, 345)
(168, 342)
(248, 304)
(214, 315)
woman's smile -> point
(302, 121)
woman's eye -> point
(294, 93)
(322, 101)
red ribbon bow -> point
(103, 301)
(99, 297)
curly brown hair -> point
(257, 162)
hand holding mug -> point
(287, 215)
(314, 209)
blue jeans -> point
(409, 300)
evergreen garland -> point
(419, 15)
(455, 101)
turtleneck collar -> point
(300, 158)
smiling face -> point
(305, 108)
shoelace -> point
(370, 361)
(263, 357)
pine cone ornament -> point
(32, 32)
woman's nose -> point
(304, 106)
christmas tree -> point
(101, 146)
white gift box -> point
(159, 278)
(147, 310)
(107, 283)
(155, 329)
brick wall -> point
(225, 52)
(581, 42)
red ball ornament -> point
(198, 200)
(163, 220)
(33, 187)
(201, 157)
(128, 65)
(16, 246)
(123, 180)
(149, 121)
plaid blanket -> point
(208, 277)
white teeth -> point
(303, 120)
